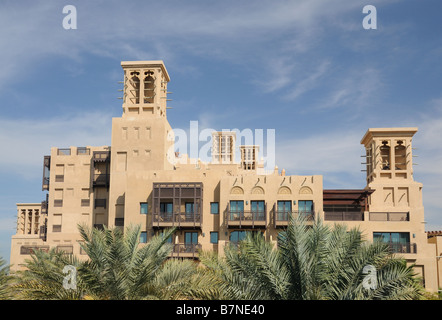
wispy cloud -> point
(311, 80)
(25, 141)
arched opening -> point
(385, 155)
(400, 156)
(134, 90)
(149, 88)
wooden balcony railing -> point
(185, 250)
(396, 247)
(179, 219)
(344, 216)
(246, 218)
(389, 216)
(281, 218)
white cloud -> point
(323, 153)
(25, 141)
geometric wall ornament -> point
(258, 190)
(305, 190)
(237, 190)
(284, 190)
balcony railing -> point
(281, 218)
(179, 219)
(389, 216)
(246, 218)
(396, 247)
(344, 216)
(185, 250)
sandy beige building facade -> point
(140, 179)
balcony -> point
(177, 204)
(101, 180)
(246, 219)
(344, 216)
(282, 218)
(408, 247)
(179, 220)
(185, 250)
(389, 216)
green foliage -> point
(311, 263)
(5, 280)
(118, 268)
(43, 277)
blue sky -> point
(307, 69)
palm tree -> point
(5, 280)
(312, 263)
(120, 268)
(43, 277)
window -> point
(236, 209)
(143, 237)
(305, 206)
(214, 237)
(166, 209)
(399, 242)
(214, 208)
(283, 210)
(392, 237)
(237, 236)
(169, 240)
(143, 208)
(257, 206)
(190, 206)
(258, 209)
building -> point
(140, 179)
